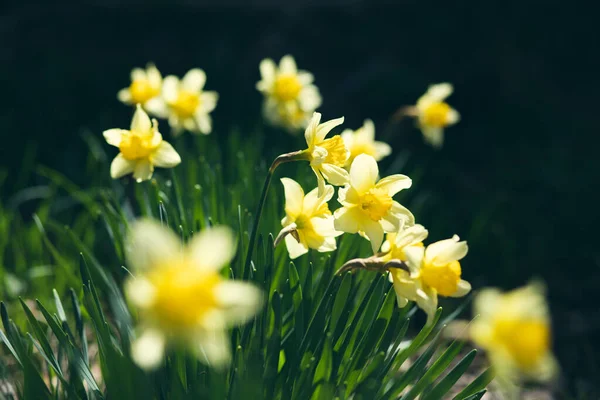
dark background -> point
(517, 177)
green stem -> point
(295, 156)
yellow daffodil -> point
(397, 242)
(290, 96)
(141, 148)
(368, 206)
(362, 141)
(434, 271)
(187, 105)
(327, 156)
(514, 328)
(182, 298)
(308, 223)
(145, 89)
(434, 114)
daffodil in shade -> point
(290, 95)
(434, 271)
(327, 156)
(145, 89)
(362, 141)
(514, 328)
(308, 223)
(181, 297)
(368, 206)
(434, 114)
(188, 106)
(141, 148)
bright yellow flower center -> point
(442, 278)
(287, 87)
(376, 203)
(186, 104)
(135, 146)
(141, 91)
(526, 341)
(184, 294)
(436, 115)
(337, 154)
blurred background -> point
(517, 177)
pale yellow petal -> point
(149, 244)
(267, 73)
(347, 219)
(382, 150)
(394, 183)
(147, 351)
(239, 301)
(294, 248)
(463, 289)
(208, 101)
(294, 197)
(313, 203)
(439, 92)
(153, 75)
(287, 65)
(214, 348)
(326, 127)
(414, 256)
(335, 175)
(141, 122)
(113, 136)
(165, 156)
(446, 251)
(194, 80)
(143, 170)
(311, 130)
(213, 248)
(120, 166)
(138, 74)
(433, 135)
(140, 291)
(374, 232)
(363, 173)
(170, 88)
(124, 95)
(410, 236)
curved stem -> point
(295, 156)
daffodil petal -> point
(433, 135)
(363, 173)
(312, 202)
(113, 136)
(347, 219)
(149, 244)
(439, 91)
(267, 72)
(214, 348)
(294, 248)
(143, 170)
(124, 95)
(414, 256)
(311, 130)
(212, 248)
(463, 289)
(121, 166)
(326, 127)
(148, 349)
(170, 88)
(335, 175)
(446, 251)
(374, 232)
(240, 301)
(294, 197)
(137, 74)
(141, 122)
(394, 183)
(287, 65)
(194, 80)
(328, 244)
(165, 156)
(140, 292)
(209, 101)
(204, 123)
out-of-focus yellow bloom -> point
(362, 141)
(141, 148)
(145, 89)
(181, 296)
(290, 96)
(435, 270)
(308, 221)
(327, 156)
(368, 206)
(187, 106)
(514, 328)
(434, 114)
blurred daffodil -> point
(145, 89)
(514, 328)
(182, 298)
(368, 204)
(434, 271)
(362, 141)
(187, 105)
(434, 114)
(327, 156)
(308, 223)
(290, 96)
(141, 148)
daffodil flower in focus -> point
(181, 296)
(368, 204)
(290, 95)
(145, 89)
(308, 223)
(434, 114)
(327, 156)
(141, 148)
(187, 105)
(514, 328)
(362, 141)
(434, 270)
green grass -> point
(319, 336)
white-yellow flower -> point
(327, 156)
(434, 271)
(290, 96)
(397, 242)
(187, 105)
(145, 89)
(308, 219)
(181, 295)
(434, 114)
(368, 204)
(514, 328)
(141, 148)
(362, 141)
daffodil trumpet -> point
(374, 263)
(301, 155)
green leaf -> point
(440, 390)
(475, 387)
